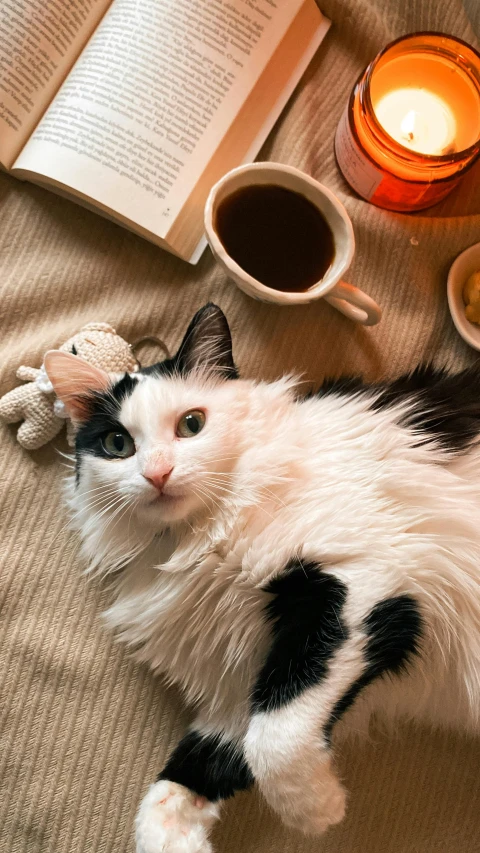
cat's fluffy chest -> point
(202, 628)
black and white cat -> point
(294, 564)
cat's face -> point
(157, 447)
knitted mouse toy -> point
(42, 413)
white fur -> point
(268, 479)
(172, 819)
(288, 754)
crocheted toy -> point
(42, 413)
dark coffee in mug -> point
(276, 235)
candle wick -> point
(407, 126)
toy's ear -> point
(75, 382)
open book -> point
(137, 107)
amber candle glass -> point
(412, 126)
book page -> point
(252, 124)
(39, 42)
(151, 97)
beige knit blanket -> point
(84, 729)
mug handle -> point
(354, 303)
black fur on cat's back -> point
(442, 406)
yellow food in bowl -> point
(471, 297)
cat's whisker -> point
(100, 499)
(196, 491)
(212, 460)
(234, 494)
(112, 505)
(133, 509)
(120, 517)
(104, 488)
(123, 502)
(261, 489)
(218, 485)
(213, 478)
(99, 495)
(102, 511)
(105, 527)
(209, 497)
(69, 456)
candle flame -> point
(407, 125)
(419, 119)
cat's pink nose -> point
(157, 477)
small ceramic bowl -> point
(461, 269)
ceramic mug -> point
(350, 300)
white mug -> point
(350, 300)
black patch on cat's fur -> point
(74, 350)
(307, 628)
(104, 413)
(393, 629)
(444, 407)
(209, 766)
(345, 386)
(162, 368)
(206, 343)
(122, 389)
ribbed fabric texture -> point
(83, 728)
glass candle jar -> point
(412, 126)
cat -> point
(295, 564)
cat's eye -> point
(118, 444)
(191, 423)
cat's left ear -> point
(208, 344)
(75, 382)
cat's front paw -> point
(172, 819)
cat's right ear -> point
(207, 344)
(75, 382)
